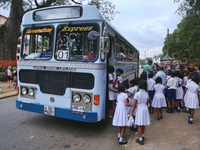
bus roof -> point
(88, 13)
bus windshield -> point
(37, 43)
(73, 43)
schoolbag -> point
(6, 73)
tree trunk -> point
(9, 32)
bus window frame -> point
(78, 23)
(38, 26)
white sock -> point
(140, 139)
(142, 135)
(187, 109)
(189, 115)
(120, 139)
(119, 134)
(135, 126)
(191, 119)
(178, 108)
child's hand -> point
(183, 100)
(129, 116)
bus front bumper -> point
(58, 112)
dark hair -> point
(170, 71)
(126, 83)
(149, 61)
(143, 75)
(177, 73)
(195, 78)
(181, 75)
(121, 87)
(186, 72)
(132, 82)
(121, 49)
(173, 74)
(150, 75)
(190, 74)
(120, 70)
(158, 80)
(131, 51)
(136, 80)
(142, 84)
(111, 69)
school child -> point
(159, 97)
(131, 92)
(168, 73)
(120, 118)
(117, 79)
(111, 90)
(142, 117)
(150, 87)
(185, 79)
(192, 100)
(172, 85)
(190, 75)
(179, 91)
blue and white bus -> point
(62, 69)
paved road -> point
(22, 130)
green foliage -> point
(2, 77)
(185, 39)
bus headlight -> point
(77, 97)
(24, 90)
(31, 92)
(86, 98)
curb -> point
(8, 96)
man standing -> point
(161, 74)
(148, 68)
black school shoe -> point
(190, 122)
(168, 110)
(172, 110)
(122, 142)
(178, 110)
(140, 142)
(185, 111)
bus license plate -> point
(49, 110)
(80, 108)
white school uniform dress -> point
(116, 85)
(111, 93)
(120, 117)
(185, 79)
(131, 90)
(142, 117)
(186, 94)
(159, 97)
(179, 91)
(192, 101)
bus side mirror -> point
(93, 35)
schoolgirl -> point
(150, 87)
(192, 100)
(190, 75)
(179, 91)
(159, 97)
(142, 117)
(120, 118)
(111, 90)
(131, 92)
(185, 79)
(168, 73)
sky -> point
(144, 23)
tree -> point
(10, 31)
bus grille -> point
(56, 82)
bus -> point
(64, 55)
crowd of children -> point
(180, 89)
